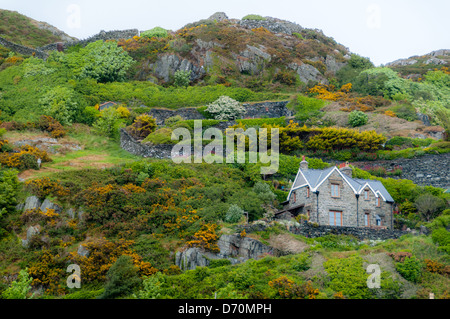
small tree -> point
(264, 192)
(357, 118)
(429, 205)
(225, 108)
(19, 288)
(234, 214)
(121, 278)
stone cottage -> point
(333, 197)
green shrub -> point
(306, 107)
(234, 214)
(160, 136)
(225, 108)
(280, 121)
(61, 104)
(19, 288)
(303, 263)
(410, 269)
(182, 78)
(357, 118)
(405, 111)
(264, 192)
(213, 263)
(441, 236)
(156, 32)
(122, 278)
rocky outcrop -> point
(252, 60)
(31, 231)
(218, 16)
(307, 72)
(32, 202)
(235, 248)
(47, 204)
(272, 24)
(166, 65)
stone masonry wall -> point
(22, 49)
(310, 231)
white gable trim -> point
(328, 175)
(370, 187)
(295, 180)
(382, 196)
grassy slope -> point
(20, 29)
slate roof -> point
(314, 177)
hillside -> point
(416, 66)
(260, 53)
(73, 193)
(26, 31)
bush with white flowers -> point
(225, 108)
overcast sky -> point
(382, 30)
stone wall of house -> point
(423, 170)
(311, 231)
(22, 49)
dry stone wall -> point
(22, 49)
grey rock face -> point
(434, 60)
(307, 72)
(218, 16)
(32, 202)
(47, 204)
(235, 248)
(252, 60)
(167, 65)
(83, 251)
(31, 231)
(333, 65)
(273, 25)
(190, 259)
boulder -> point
(235, 248)
(191, 258)
(83, 251)
(332, 64)
(31, 231)
(47, 204)
(307, 72)
(168, 64)
(218, 16)
(32, 202)
(252, 60)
